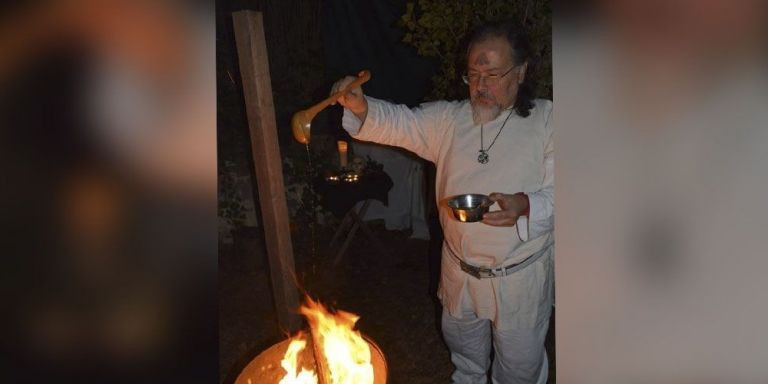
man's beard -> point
(483, 112)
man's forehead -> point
(491, 51)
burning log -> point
(321, 365)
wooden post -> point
(257, 88)
(321, 365)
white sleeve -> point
(541, 217)
(419, 130)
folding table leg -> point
(355, 219)
(345, 222)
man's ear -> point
(523, 71)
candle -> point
(342, 145)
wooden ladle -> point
(302, 120)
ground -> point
(393, 294)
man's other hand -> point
(512, 207)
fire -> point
(346, 353)
(291, 364)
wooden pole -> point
(257, 89)
(321, 366)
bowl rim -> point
(450, 201)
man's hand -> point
(354, 100)
(512, 207)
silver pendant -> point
(482, 158)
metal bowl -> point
(470, 207)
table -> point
(341, 199)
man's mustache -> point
(483, 95)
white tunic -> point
(521, 160)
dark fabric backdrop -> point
(364, 35)
(361, 35)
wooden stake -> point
(257, 89)
(321, 365)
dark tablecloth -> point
(338, 197)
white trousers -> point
(519, 354)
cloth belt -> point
(484, 273)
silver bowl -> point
(470, 207)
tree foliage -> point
(436, 28)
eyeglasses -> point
(490, 79)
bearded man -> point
(496, 275)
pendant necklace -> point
(482, 158)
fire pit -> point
(332, 352)
(266, 368)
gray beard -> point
(483, 114)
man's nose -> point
(481, 84)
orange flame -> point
(291, 364)
(347, 354)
